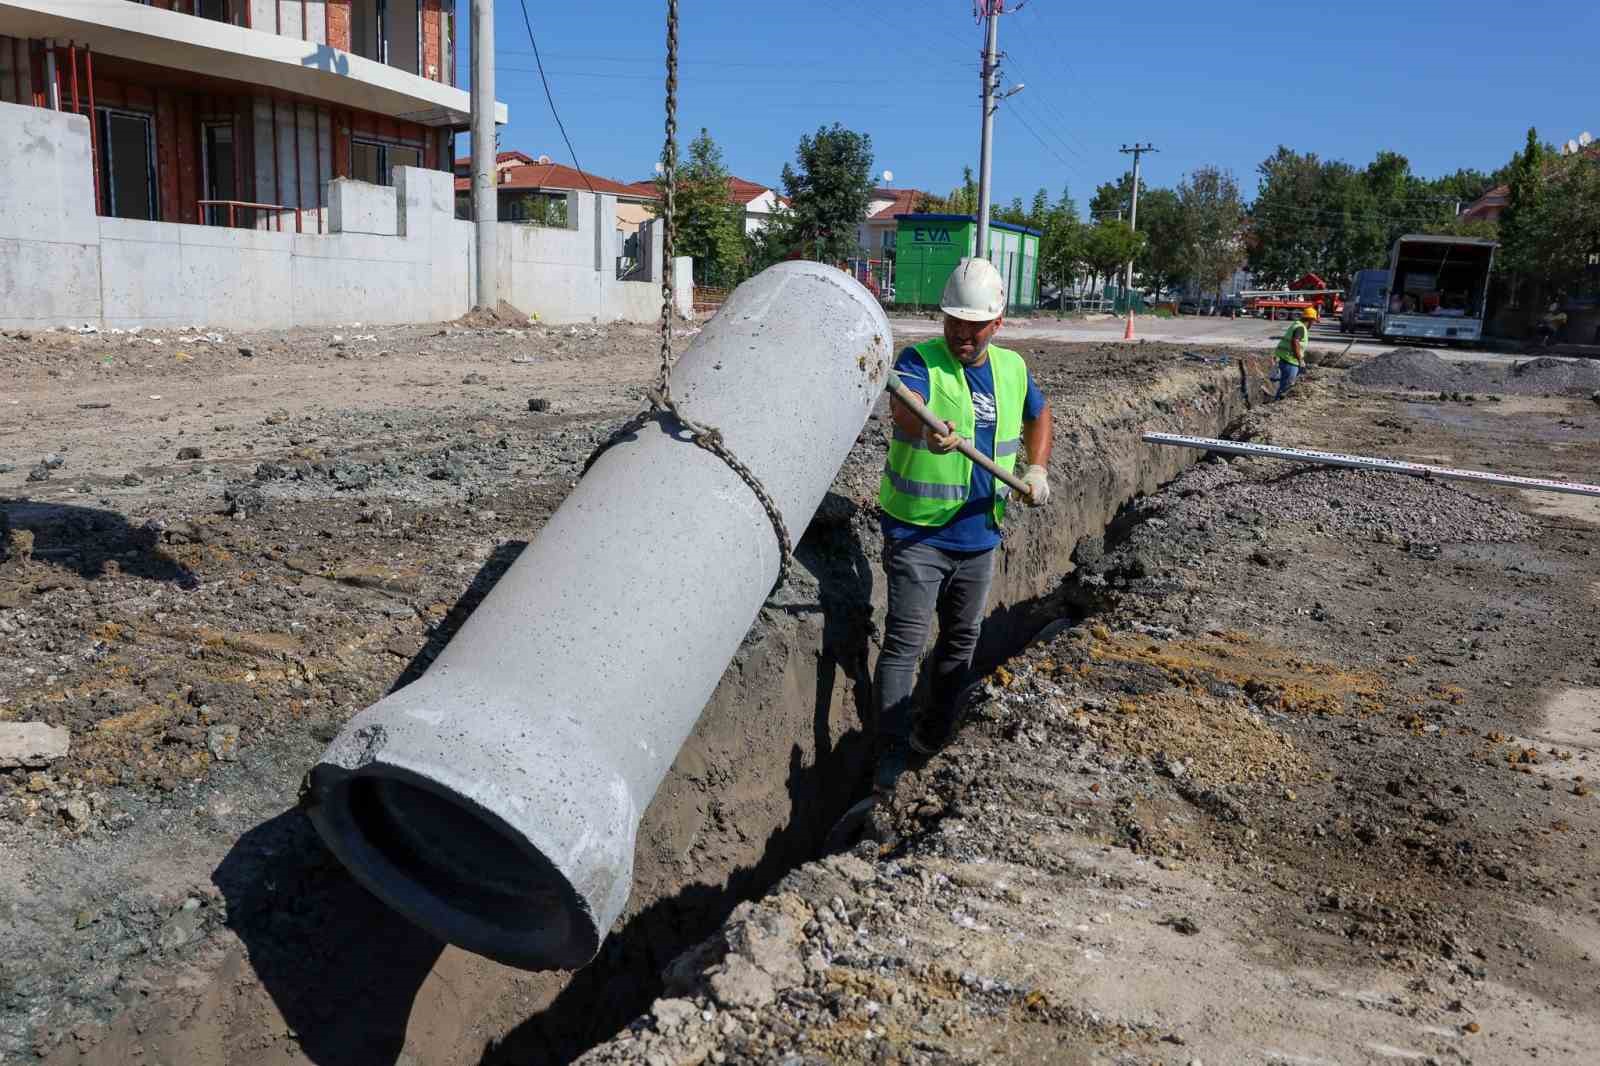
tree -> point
(1213, 218)
(1163, 264)
(710, 225)
(1110, 198)
(828, 191)
(1108, 246)
(1519, 221)
(1552, 237)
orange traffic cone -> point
(1127, 334)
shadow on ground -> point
(86, 542)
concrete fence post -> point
(495, 801)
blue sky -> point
(1447, 83)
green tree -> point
(1163, 263)
(1111, 197)
(1552, 240)
(1520, 222)
(829, 189)
(1213, 218)
(710, 225)
(1108, 245)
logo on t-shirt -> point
(983, 408)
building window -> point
(374, 161)
(128, 161)
(216, 143)
(886, 240)
(388, 31)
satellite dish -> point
(544, 161)
(1569, 148)
(1585, 139)
(888, 176)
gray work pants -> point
(923, 581)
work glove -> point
(1038, 485)
(941, 443)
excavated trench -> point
(323, 974)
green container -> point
(928, 247)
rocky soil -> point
(1308, 776)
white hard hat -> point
(975, 291)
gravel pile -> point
(1376, 506)
(1408, 368)
(1422, 370)
(1547, 375)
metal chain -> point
(661, 399)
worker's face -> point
(969, 341)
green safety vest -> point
(925, 489)
(1286, 345)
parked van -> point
(1364, 304)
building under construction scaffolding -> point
(239, 112)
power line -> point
(610, 76)
(547, 95)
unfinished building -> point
(239, 112)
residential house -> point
(239, 112)
(536, 190)
(759, 202)
(876, 232)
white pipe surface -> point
(495, 801)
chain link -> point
(661, 398)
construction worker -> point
(1292, 351)
(942, 512)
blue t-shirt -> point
(973, 528)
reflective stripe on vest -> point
(1001, 447)
(927, 489)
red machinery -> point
(1309, 290)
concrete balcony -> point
(216, 49)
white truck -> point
(1438, 289)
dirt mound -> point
(1408, 368)
(484, 318)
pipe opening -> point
(468, 879)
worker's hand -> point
(1038, 485)
(942, 443)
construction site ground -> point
(1304, 775)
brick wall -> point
(339, 24)
(431, 40)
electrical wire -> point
(547, 95)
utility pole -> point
(991, 71)
(1133, 222)
(485, 175)
(990, 11)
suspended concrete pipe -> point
(495, 801)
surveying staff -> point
(942, 512)
(1292, 350)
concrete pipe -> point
(495, 801)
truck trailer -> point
(1438, 289)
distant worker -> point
(1551, 325)
(1291, 351)
(942, 512)
(1397, 304)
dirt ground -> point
(1302, 787)
(1307, 778)
(204, 624)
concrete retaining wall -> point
(393, 254)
